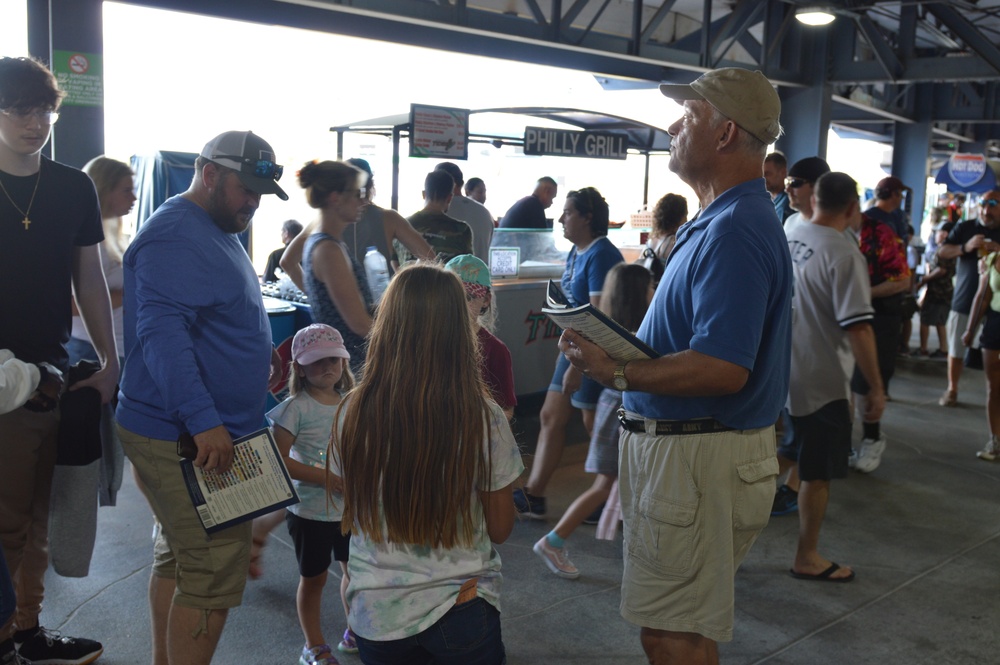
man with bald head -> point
(529, 212)
(697, 455)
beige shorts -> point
(955, 328)
(693, 505)
(210, 570)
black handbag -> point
(973, 358)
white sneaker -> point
(556, 559)
(869, 454)
(852, 459)
(990, 451)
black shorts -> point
(990, 338)
(314, 542)
(824, 441)
(887, 332)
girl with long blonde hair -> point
(115, 184)
(427, 461)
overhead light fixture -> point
(814, 15)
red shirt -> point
(497, 369)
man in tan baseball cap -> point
(705, 409)
(747, 98)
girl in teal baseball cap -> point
(495, 361)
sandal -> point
(949, 398)
(255, 571)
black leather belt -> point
(664, 427)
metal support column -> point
(911, 145)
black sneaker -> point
(48, 647)
(595, 517)
(786, 502)
(9, 655)
(529, 505)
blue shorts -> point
(990, 337)
(584, 398)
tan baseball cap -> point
(745, 97)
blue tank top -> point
(323, 308)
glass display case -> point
(539, 256)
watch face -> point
(620, 383)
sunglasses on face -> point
(989, 203)
(795, 183)
(260, 168)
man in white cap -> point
(198, 357)
(697, 454)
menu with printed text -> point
(256, 484)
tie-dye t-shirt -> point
(398, 591)
(311, 423)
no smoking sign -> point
(79, 63)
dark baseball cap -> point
(810, 168)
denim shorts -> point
(586, 396)
(469, 634)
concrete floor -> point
(922, 532)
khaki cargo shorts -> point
(210, 570)
(693, 505)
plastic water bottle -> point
(377, 272)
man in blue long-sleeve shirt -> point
(198, 357)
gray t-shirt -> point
(831, 294)
(479, 220)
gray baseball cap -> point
(251, 157)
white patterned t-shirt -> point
(398, 591)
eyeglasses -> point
(44, 116)
(989, 203)
(259, 168)
(362, 192)
(795, 183)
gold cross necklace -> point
(26, 221)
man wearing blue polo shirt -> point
(697, 455)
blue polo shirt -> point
(586, 270)
(726, 292)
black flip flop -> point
(824, 576)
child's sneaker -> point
(529, 505)
(348, 644)
(595, 517)
(556, 559)
(318, 655)
(991, 451)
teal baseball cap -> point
(470, 269)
